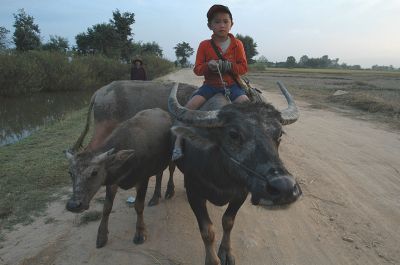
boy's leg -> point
(238, 95)
(240, 99)
(195, 102)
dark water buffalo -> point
(229, 151)
(121, 100)
(136, 150)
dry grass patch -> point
(91, 216)
(372, 92)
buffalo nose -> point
(74, 206)
(284, 189)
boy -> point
(208, 62)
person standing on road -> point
(137, 70)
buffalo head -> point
(89, 172)
(242, 139)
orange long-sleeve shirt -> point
(235, 54)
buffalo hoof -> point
(226, 257)
(101, 240)
(139, 238)
(154, 201)
(170, 192)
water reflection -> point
(21, 116)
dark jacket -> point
(138, 73)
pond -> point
(21, 116)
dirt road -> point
(350, 212)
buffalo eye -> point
(234, 135)
(94, 173)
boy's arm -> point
(201, 66)
(239, 67)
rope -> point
(227, 91)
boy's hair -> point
(218, 9)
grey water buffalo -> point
(121, 100)
(137, 149)
(229, 151)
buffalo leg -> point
(102, 233)
(199, 208)
(171, 186)
(228, 219)
(157, 190)
(140, 235)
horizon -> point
(358, 32)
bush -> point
(34, 71)
(156, 66)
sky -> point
(364, 32)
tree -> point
(262, 59)
(148, 48)
(152, 48)
(3, 38)
(100, 38)
(56, 43)
(290, 62)
(182, 52)
(26, 35)
(112, 39)
(250, 47)
(303, 61)
(122, 24)
(325, 61)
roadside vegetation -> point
(40, 71)
(33, 171)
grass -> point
(100, 200)
(90, 216)
(34, 169)
(50, 220)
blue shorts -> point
(208, 92)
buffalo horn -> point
(195, 118)
(100, 158)
(290, 114)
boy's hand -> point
(212, 65)
(224, 66)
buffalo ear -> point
(192, 137)
(124, 155)
(68, 154)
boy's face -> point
(221, 24)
